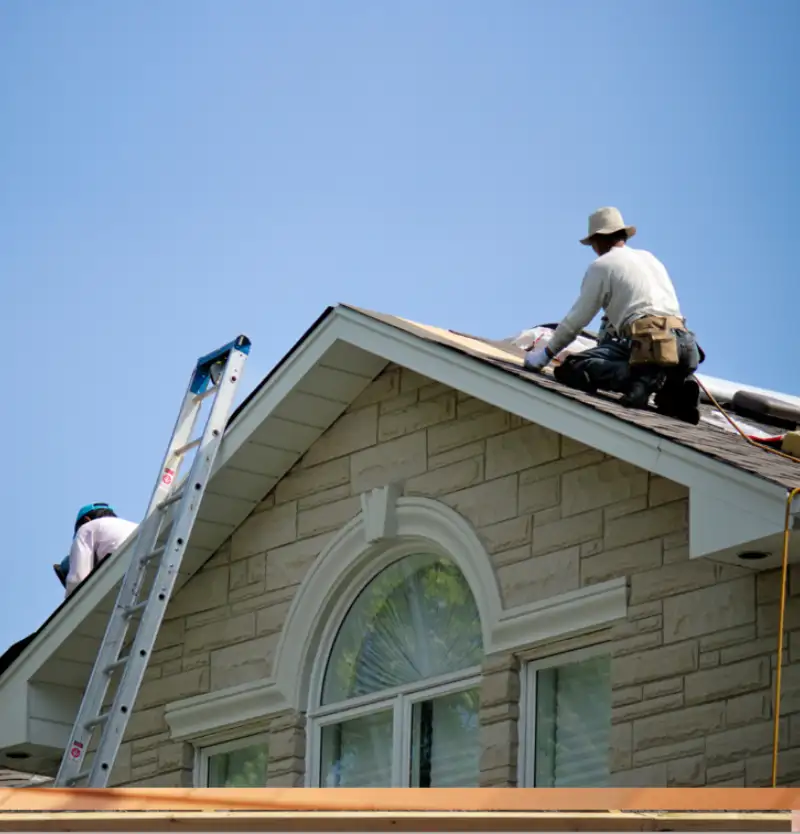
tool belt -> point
(653, 340)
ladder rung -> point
(96, 722)
(84, 774)
(159, 551)
(135, 609)
(167, 502)
(112, 667)
(209, 392)
(182, 450)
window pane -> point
(573, 724)
(242, 768)
(358, 753)
(416, 620)
(445, 748)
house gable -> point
(323, 399)
(557, 521)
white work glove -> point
(537, 359)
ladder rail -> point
(164, 583)
(166, 559)
(183, 430)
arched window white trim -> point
(379, 535)
(422, 732)
(359, 551)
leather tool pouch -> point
(653, 341)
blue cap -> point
(87, 508)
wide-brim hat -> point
(606, 221)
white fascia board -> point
(546, 408)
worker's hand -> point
(536, 359)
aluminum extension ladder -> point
(152, 572)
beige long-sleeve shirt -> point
(627, 284)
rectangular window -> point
(423, 736)
(357, 753)
(567, 721)
(235, 764)
(445, 749)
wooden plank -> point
(392, 821)
(425, 800)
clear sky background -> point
(175, 173)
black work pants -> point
(607, 368)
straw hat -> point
(606, 221)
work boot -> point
(637, 396)
(60, 574)
(681, 402)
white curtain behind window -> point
(573, 724)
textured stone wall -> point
(691, 664)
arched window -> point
(399, 697)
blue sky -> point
(172, 174)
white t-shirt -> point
(92, 543)
(627, 284)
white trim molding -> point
(348, 563)
(193, 719)
(379, 509)
(573, 613)
(344, 568)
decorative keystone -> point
(379, 508)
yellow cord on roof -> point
(790, 496)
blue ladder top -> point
(202, 373)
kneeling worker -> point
(645, 347)
(98, 533)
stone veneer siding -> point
(691, 664)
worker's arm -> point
(81, 559)
(588, 305)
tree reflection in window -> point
(416, 620)
(244, 767)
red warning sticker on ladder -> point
(168, 476)
(76, 751)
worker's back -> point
(638, 284)
(94, 541)
(106, 534)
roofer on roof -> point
(98, 534)
(644, 346)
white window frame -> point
(203, 754)
(401, 701)
(526, 765)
